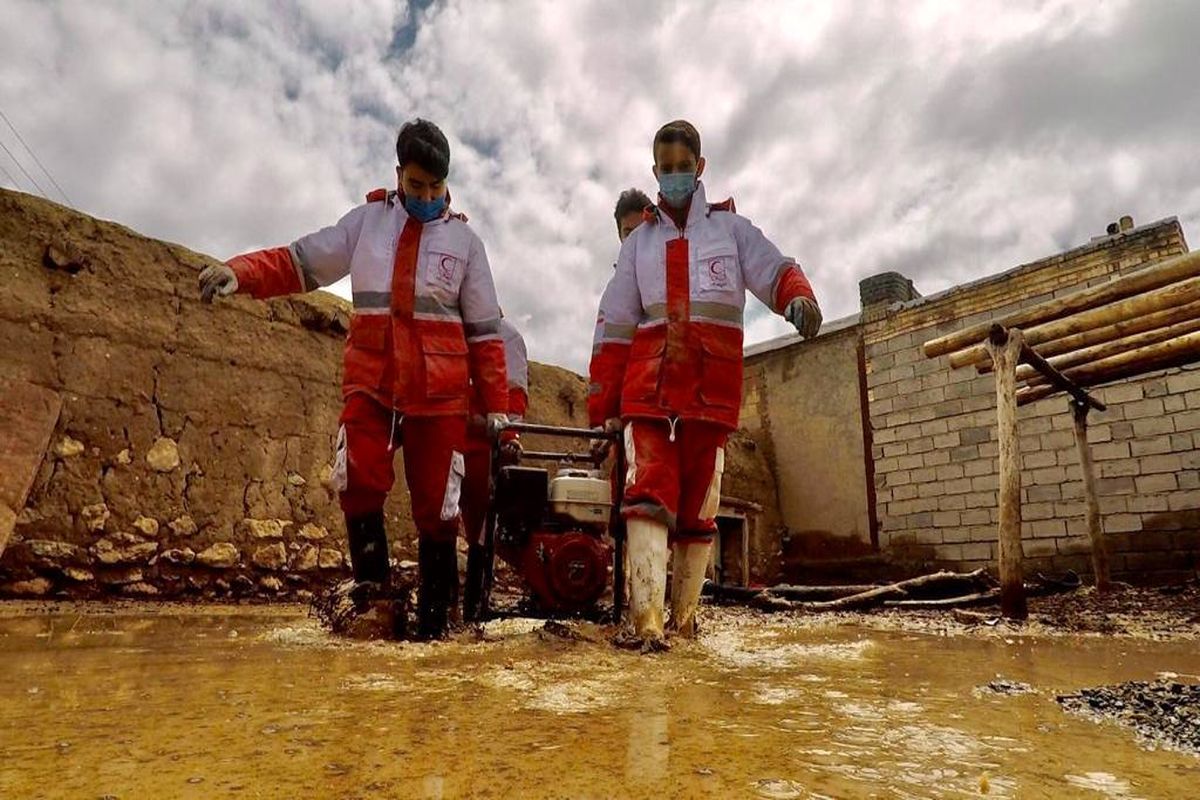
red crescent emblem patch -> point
(716, 270)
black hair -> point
(630, 201)
(422, 143)
(679, 130)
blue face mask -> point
(425, 210)
(677, 187)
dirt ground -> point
(1169, 613)
(1159, 613)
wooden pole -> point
(1119, 330)
(1168, 272)
(1005, 347)
(1168, 297)
(1164, 355)
(1101, 351)
(1092, 502)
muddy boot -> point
(473, 610)
(689, 567)
(646, 545)
(438, 565)
(368, 557)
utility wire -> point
(36, 160)
(10, 177)
(23, 171)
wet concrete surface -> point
(208, 702)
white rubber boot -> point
(647, 552)
(689, 568)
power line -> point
(36, 160)
(23, 170)
(10, 177)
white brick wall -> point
(933, 433)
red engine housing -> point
(567, 570)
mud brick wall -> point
(194, 442)
(933, 434)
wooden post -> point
(1095, 530)
(1005, 348)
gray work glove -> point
(496, 423)
(600, 447)
(805, 315)
(217, 280)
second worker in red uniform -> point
(667, 366)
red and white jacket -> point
(669, 330)
(426, 321)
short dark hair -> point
(422, 143)
(679, 130)
(630, 201)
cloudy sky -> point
(946, 140)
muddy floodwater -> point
(260, 703)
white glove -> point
(805, 315)
(495, 422)
(217, 280)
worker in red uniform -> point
(668, 368)
(476, 491)
(426, 325)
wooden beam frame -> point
(1168, 272)
(1167, 297)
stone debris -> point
(1164, 713)
(120, 577)
(265, 528)
(304, 559)
(271, 556)
(296, 480)
(325, 476)
(50, 553)
(68, 447)
(124, 458)
(330, 559)
(1003, 686)
(182, 556)
(271, 584)
(183, 526)
(163, 455)
(123, 549)
(79, 574)
(35, 587)
(147, 525)
(221, 555)
(140, 589)
(312, 532)
(94, 517)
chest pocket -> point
(717, 268)
(443, 273)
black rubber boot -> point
(368, 556)
(438, 565)
(473, 610)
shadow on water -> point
(263, 704)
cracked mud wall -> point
(194, 440)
